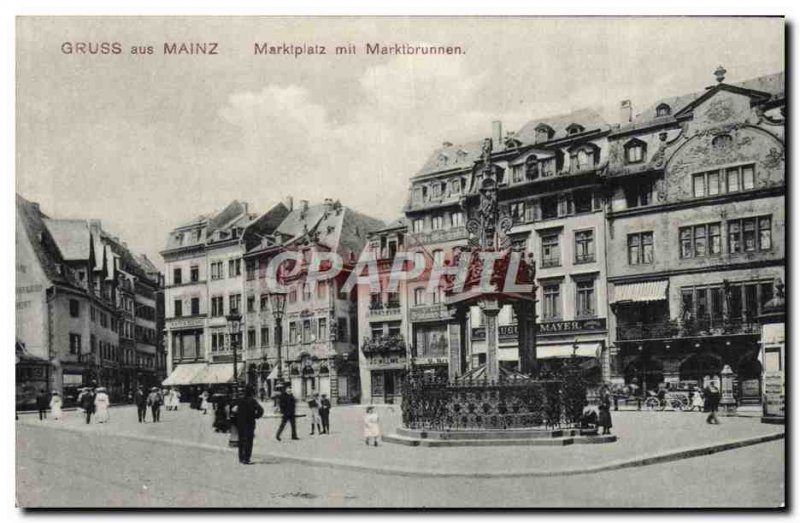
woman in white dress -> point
(204, 405)
(101, 403)
(55, 405)
(372, 426)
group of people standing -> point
(94, 402)
(154, 400)
(53, 401)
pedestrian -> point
(247, 411)
(154, 400)
(287, 406)
(42, 403)
(176, 399)
(372, 426)
(140, 399)
(697, 400)
(86, 401)
(204, 405)
(313, 406)
(55, 405)
(221, 419)
(604, 416)
(712, 403)
(325, 414)
(101, 403)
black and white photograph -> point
(400, 262)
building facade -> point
(76, 286)
(696, 232)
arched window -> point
(544, 133)
(663, 110)
(575, 129)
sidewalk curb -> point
(396, 471)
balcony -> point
(384, 344)
(380, 311)
(552, 261)
(687, 329)
(584, 258)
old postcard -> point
(400, 262)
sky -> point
(144, 143)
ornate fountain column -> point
(490, 309)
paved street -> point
(95, 466)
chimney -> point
(625, 111)
(497, 134)
(95, 225)
(328, 204)
(304, 206)
(290, 203)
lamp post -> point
(278, 301)
(234, 329)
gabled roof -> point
(452, 156)
(758, 96)
(45, 247)
(72, 237)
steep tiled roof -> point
(589, 119)
(772, 84)
(452, 157)
(72, 237)
(44, 245)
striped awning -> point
(641, 292)
(183, 374)
(215, 373)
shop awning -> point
(641, 292)
(215, 373)
(183, 374)
(585, 350)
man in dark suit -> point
(141, 404)
(246, 412)
(86, 401)
(325, 414)
(42, 403)
(287, 406)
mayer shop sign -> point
(549, 328)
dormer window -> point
(455, 186)
(443, 158)
(544, 133)
(635, 151)
(722, 141)
(663, 110)
(574, 129)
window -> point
(518, 174)
(74, 308)
(699, 185)
(722, 141)
(584, 246)
(251, 338)
(292, 333)
(732, 175)
(639, 195)
(437, 222)
(216, 270)
(457, 219)
(640, 248)
(436, 190)
(517, 210)
(217, 307)
(663, 110)
(234, 268)
(322, 329)
(438, 258)
(262, 303)
(543, 133)
(178, 308)
(176, 276)
(551, 308)
(750, 234)
(264, 336)
(436, 296)
(250, 269)
(293, 295)
(700, 240)
(235, 303)
(582, 201)
(531, 168)
(634, 152)
(551, 254)
(419, 259)
(584, 298)
(418, 225)
(416, 195)
(306, 292)
(307, 331)
(455, 186)
(217, 341)
(74, 343)
(195, 306)
(713, 183)
(419, 296)
(194, 273)
(93, 314)
(733, 179)
(251, 304)
(549, 207)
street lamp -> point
(278, 301)
(234, 329)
